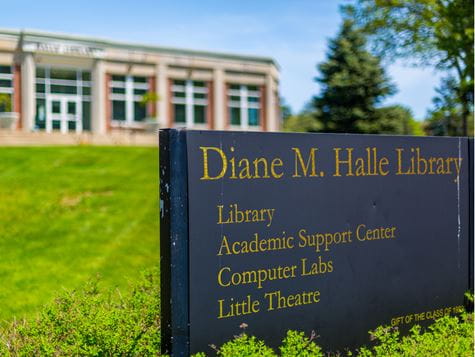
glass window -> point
(40, 72)
(199, 114)
(5, 102)
(40, 88)
(140, 91)
(129, 91)
(4, 69)
(63, 89)
(71, 108)
(117, 90)
(118, 78)
(118, 110)
(66, 74)
(235, 116)
(56, 107)
(179, 94)
(244, 103)
(199, 95)
(140, 111)
(253, 116)
(5, 83)
(180, 116)
(6, 88)
(40, 117)
(86, 115)
(86, 76)
(190, 99)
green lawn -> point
(71, 213)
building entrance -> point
(63, 98)
(63, 113)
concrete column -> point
(98, 105)
(163, 100)
(219, 99)
(28, 102)
(272, 120)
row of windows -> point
(189, 98)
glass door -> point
(63, 113)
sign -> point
(336, 234)
(64, 48)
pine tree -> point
(352, 84)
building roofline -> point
(136, 46)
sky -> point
(294, 33)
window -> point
(190, 102)
(126, 94)
(56, 82)
(6, 88)
(244, 106)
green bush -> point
(448, 336)
(90, 322)
(295, 344)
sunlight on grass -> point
(69, 213)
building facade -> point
(72, 84)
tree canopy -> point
(439, 33)
(352, 84)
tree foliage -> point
(352, 84)
(447, 116)
(304, 122)
(395, 119)
(439, 33)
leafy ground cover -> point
(70, 213)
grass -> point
(69, 213)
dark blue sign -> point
(335, 234)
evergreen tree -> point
(352, 84)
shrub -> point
(448, 336)
(295, 344)
(245, 346)
(89, 322)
